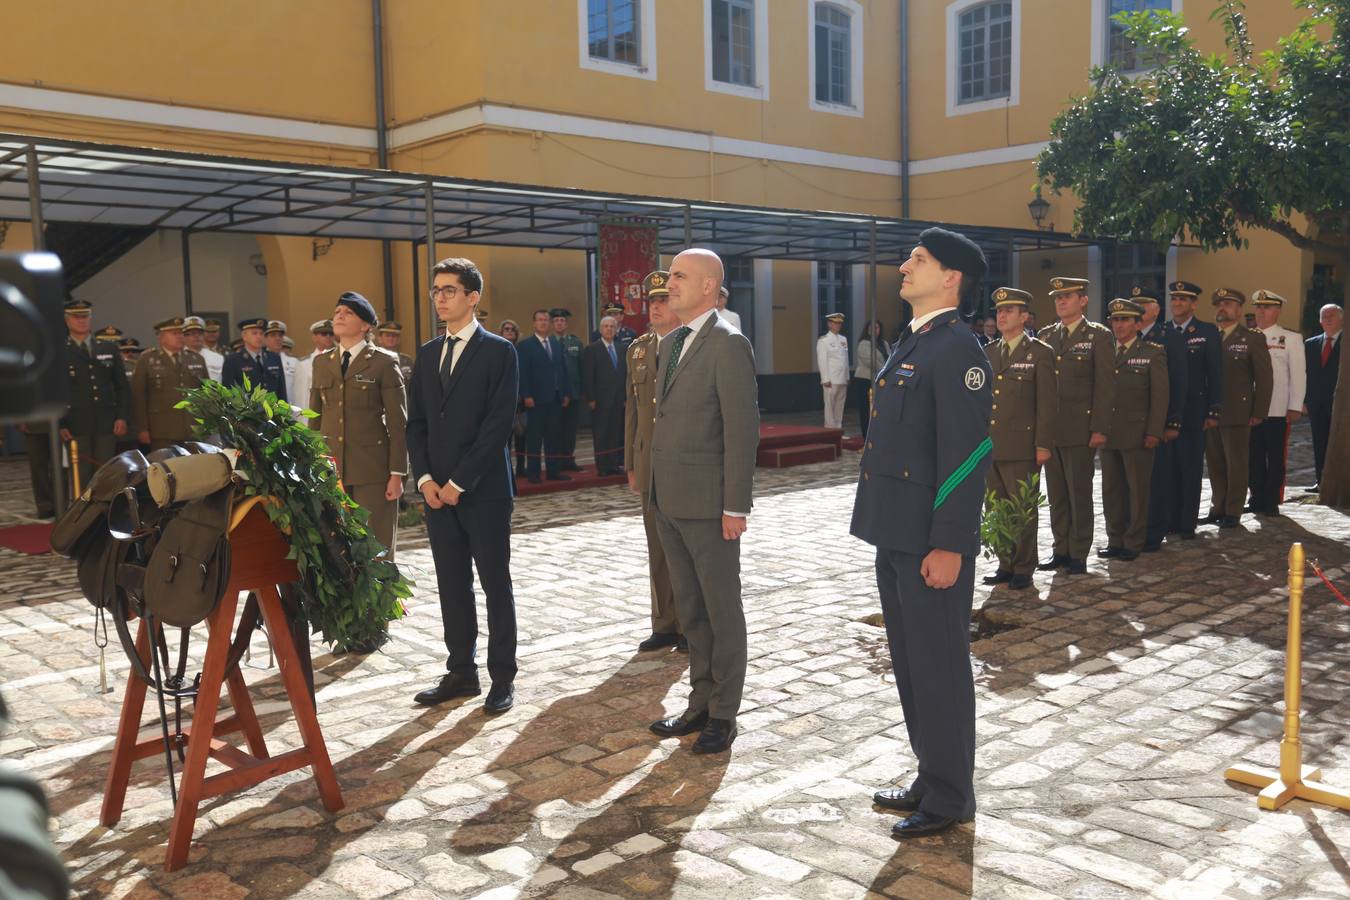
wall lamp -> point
(1039, 207)
(256, 261)
(322, 246)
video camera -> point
(32, 330)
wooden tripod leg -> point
(243, 708)
(128, 730)
(292, 676)
(220, 623)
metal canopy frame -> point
(129, 186)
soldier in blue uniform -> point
(260, 365)
(1154, 330)
(1204, 394)
(919, 498)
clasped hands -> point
(440, 495)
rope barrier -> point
(1331, 587)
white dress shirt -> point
(924, 319)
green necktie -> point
(680, 334)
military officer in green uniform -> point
(359, 394)
(571, 413)
(1085, 378)
(130, 348)
(638, 422)
(100, 400)
(390, 338)
(1022, 423)
(157, 385)
(1138, 425)
(1247, 384)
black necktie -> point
(346, 360)
(446, 363)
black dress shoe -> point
(1128, 555)
(920, 824)
(451, 684)
(1187, 535)
(1108, 552)
(682, 645)
(1076, 567)
(500, 698)
(658, 640)
(903, 799)
(558, 476)
(1228, 521)
(1055, 562)
(998, 577)
(1152, 547)
(679, 725)
(1019, 582)
(1211, 519)
(716, 736)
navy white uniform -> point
(1204, 394)
(921, 488)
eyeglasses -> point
(449, 291)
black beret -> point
(359, 305)
(954, 251)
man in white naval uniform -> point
(832, 361)
(322, 332)
(1270, 438)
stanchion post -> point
(1293, 778)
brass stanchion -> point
(74, 470)
(1293, 778)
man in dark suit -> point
(1204, 396)
(1154, 330)
(260, 365)
(919, 498)
(461, 403)
(603, 371)
(546, 391)
(703, 450)
(1323, 361)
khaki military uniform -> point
(157, 386)
(363, 415)
(638, 423)
(1085, 381)
(1139, 411)
(1247, 384)
(1023, 419)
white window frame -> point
(855, 36)
(646, 67)
(1100, 42)
(760, 89)
(953, 67)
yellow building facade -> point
(805, 104)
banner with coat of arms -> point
(629, 249)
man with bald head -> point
(703, 450)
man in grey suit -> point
(702, 470)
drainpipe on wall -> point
(904, 109)
(382, 147)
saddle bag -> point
(190, 565)
(81, 524)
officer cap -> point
(194, 323)
(129, 344)
(480, 314)
(835, 317)
(361, 306)
(390, 328)
(724, 292)
(1185, 288)
(212, 326)
(1264, 297)
(276, 326)
(323, 326)
(657, 284)
(1006, 296)
(954, 251)
(237, 345)
(172, 324)
(287, 343)
(1120, 308)
(1062, 284)
(559, 313)
(1228, 294)
(613, 309)
(109, 333)
(1141, 295)
(78, 308)
(245, 324)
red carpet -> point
(34, 540)
(586, 478)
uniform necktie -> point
(346, 360)
(1327, 345)
(447, 363)
(1121, 350)
(613, 359)
(1007, 354)
(680, 334)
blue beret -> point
(954, 251)
(359, 305)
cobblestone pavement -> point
(1108, 710)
